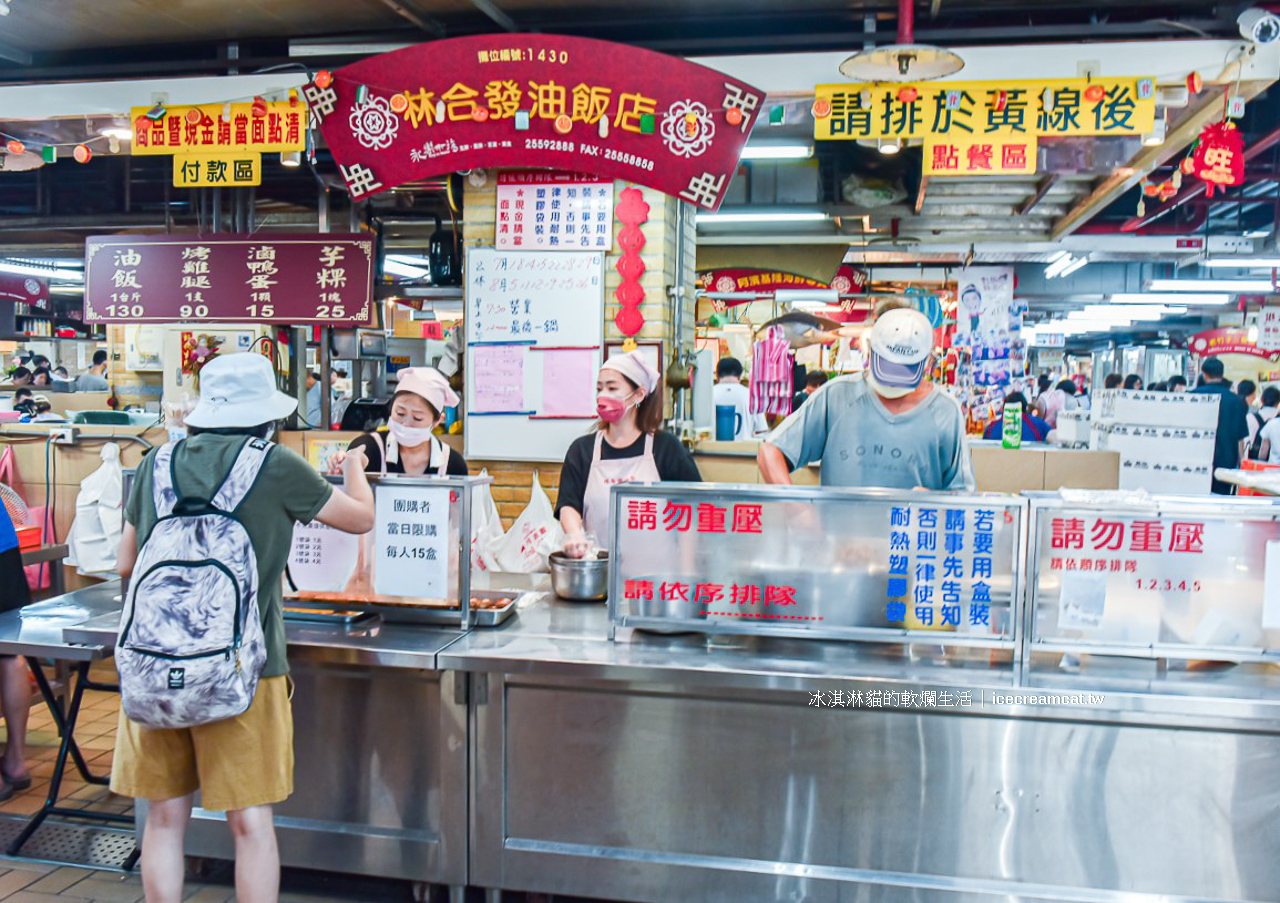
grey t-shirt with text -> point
(845, 426)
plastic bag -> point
(39, 576)
(534, 536)
(94, 538)
(486, 528)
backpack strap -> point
(244, 473)
(162, 491)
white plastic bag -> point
(94, 538)
(534, 536)
(486, 528)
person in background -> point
(1133, 382)
(812, 383)
(1034, 429)
(39, 362)
(42, 411)
(1062, 398)
(15, 681)
(1258, 420)
(20, 376)
(1233, 427)
(887, 426)
(407, 444)
(1112, 381)
(313, 401)
(1177, 384)
(60, 372)
(42, 378)
(628, 446)
(24, 401)
(729, 390)
(241, 765)
(1268, 438)
(1248, 391)
(95, 378)
(1158, 387)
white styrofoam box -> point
(1073, 427)
(1162, 478)
(1185, 409)
(1157, 443)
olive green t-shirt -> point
(287, 490)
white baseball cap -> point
(901, 341)
(239, 390)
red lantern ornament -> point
(400, 103)
(633, 212)
(1150, 189)
(193, 115)
(821, 108)
(82, 153)
(259, 108)
(999, 101)
(733, 116)
(1195, 83)
(1188, 165)
(1219, 158)
(480, 114)
(562, 124)
(324, 78)
(15, 146)
(907, 94)
(1167, 190)
(1095, 93)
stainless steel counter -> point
(38, 628)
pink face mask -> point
(611, 408)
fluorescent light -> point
(48, 271)
(66, 289)
(1169, 298)
(1132, 311)
(1243, 263)
(777, 151)
(396, 268)
(118, 132)
(1075, 265)
(1155, 137)
(1058, 267)
(290, 158)
(716, 219)
(888, 146)
(1061, 254)
(1212, 285)
(1258, 233)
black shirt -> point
(457, 467)
(1233, 426)
(675, 464)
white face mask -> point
(886, 391)
(408, 436)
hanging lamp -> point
(905, 61)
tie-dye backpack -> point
(191, 647)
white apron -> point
(391, 453)
(603, 474)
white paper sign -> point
(411, 556)
(1082, 601)
(1271, 587)
(322, 559)
(1269, 329)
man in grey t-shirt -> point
(887, 427)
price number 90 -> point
(188, 311)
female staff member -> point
(407, 444)
(627, 447)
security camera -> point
(1259, 26)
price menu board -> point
(310, 278)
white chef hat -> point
(634, 367)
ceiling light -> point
(777, 151)
(1133, 311)
(396, 268)
(1076, 264)
(1243, 263)
(1212, 285)
(66, 289)
(1169, 298)
(49, 271)
(1058, 267)
(290, 158)
(1156, 136)
(1061, 254)
(763, 216)
(888, 146)
(118, 132)
(1258, 233)
(4, 7)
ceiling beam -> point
(1041, 190)
(500, 18)
(1125, 177)
(426, 23)
(920, 195)
(14, 55)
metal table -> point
(36, 632)
(682, 767)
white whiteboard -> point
(534, 322)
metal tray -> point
(439, 615)
(326, 616)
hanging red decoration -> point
(1195, 83)
(1150, 189)
(15, 146)
(907, 94)
(1095, 93)
(1167, 190)
(400, 103)
(1219, 157)
(999, 101)
(632, 211)
(1188, 165)
(82, 153)
(193, 115)
(259, 109)
(733, 116)
(324, 78)
(821, 108)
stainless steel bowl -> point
(580, 579)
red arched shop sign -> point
(521, 100)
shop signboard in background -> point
(989, 323)
(1269, 329)
(981, 155)
(985, 112)
(217, 170)
(259, 127)
(1228, 340)
(33, 290)
(305, 278)
(535, 100)
(553, 211)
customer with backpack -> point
(201, 652)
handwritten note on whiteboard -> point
(568, 383)
(547, 297)
(499, 382)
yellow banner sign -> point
(217, 170)
(216, 128)
(1057, 108)
(985, 156)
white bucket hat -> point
(239, 390)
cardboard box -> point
(1027, 470)
(1184, 409)
(1084, 469)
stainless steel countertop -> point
(38, 628)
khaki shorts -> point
(237, 763)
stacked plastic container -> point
(1165, 439)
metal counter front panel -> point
(644, 794)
